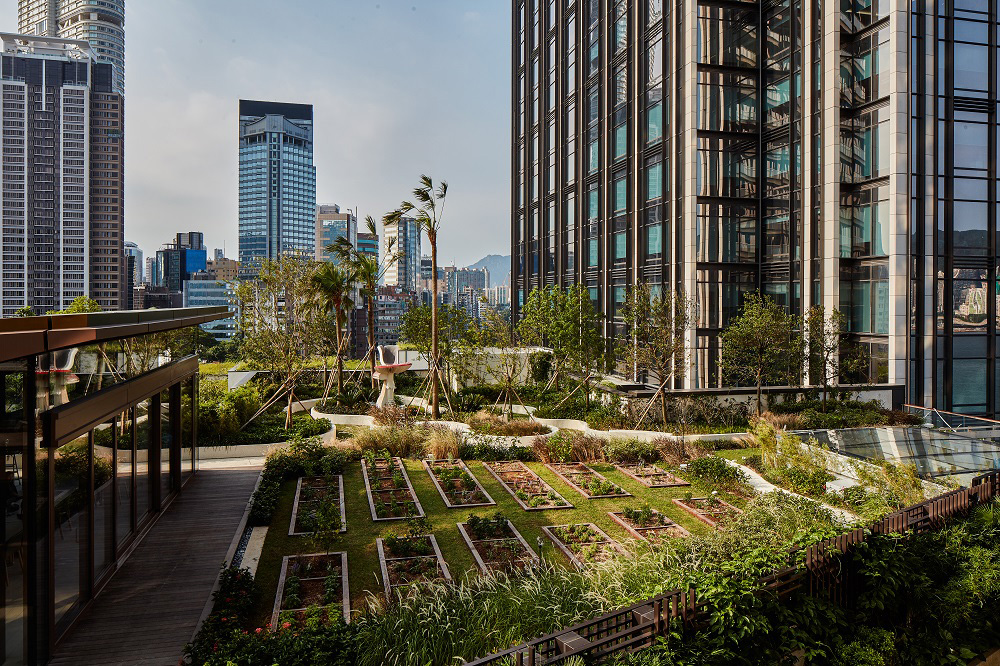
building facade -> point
(277, 189)
(368, 244)
(391, 303)
(133, 268)
(205, 290)
(689, 146)
(332, 225)
(179, 260)
(99, 22)
(61, 168)
(222, 268)
(404, 269)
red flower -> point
(259, 629)
(285, 625)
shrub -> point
(784, 421)
(401, 441)
(718, 472)
(489, 423)
(631, 451)
(486, 447)
(540, 366)
(442, 442)
(392, 416)
(569, 446)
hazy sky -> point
(398, 88)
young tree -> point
(277, 317)
(455, 335)
(824, 346)
(509, 363)
(761, 345)
(427, 212)
(80, 305)
(333, 289)
(369, 272)
(655, 326)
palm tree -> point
(368, 271)
(427, 212)
(333, 287)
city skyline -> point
(371, 143)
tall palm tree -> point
(368, 271)
(333, 288)
(428, 212)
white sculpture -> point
(386, 372)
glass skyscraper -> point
(841, 154)
(277, 183)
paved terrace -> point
(149, 610)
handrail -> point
(942, 411)
(822, 574)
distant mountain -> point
(498, 266)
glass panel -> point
(654, 181)
(166, 439)
(654, 123)
(143, 436)
(187, 451)
(968, 385)
(621, 140)
(621, 245)
(104, 498)
(123, 470)
(653, 241)
(70, 540)
(593, 161)
(14, 440)
(621, 194)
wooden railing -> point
(638, 625)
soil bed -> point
(412, 560)
(652, 476)
(709, 510)
(317, 579)
(503, 550)
(586, 481)
(584, 543)
(390, 493)
(650, 525)
(311, 493)
(527, 488)
(457, 485)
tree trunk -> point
(435, 408)
(663, 406)
(288, 413)
(371, 333)
(340, 360)
(760, 399)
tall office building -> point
(99, 22)
(133, 270)
(61, 168)
(368, 244)
(404, 270)
(331, 225)
(277, 183)
(688, 145)
(179, 260)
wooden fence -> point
(638, 625)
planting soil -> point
(586, 481)
(652, 476)
(496, 544)
(584, 543)
(390, 494)
(648, 524)
(406, 560)
(313, 494)
(709, 510)
(311, 580)
(456, 484)
(530, 491)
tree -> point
(369, 272)
(456, 337)
(509, 361)
(823, 346)
(761, 346)
(277, 317)
(427, 212)
(333, 288)
(24, 311)
(80, 305)
(655, 326)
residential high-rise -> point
(404, 270)
(62, 174)
(277, 183)
(368, 244)
(100, 22)
(223, 269)
(689, 145)
(133, 269)
(331, 225)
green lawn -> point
(359, 540)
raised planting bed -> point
(584, 543)
(648, 524)
(527, 488)
(496, 544)
(652, 476)
(311, 580)
(456, 484)
(390, 493)
(709, 510)
(586, 481)
(311, 493)
(406, 560)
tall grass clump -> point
(631, 451)
(569, 446)
(404, 442)
(442, 442)
(488, 423)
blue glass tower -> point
(277, 183)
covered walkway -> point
(149, 611)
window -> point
(654, 181)
(621, 194)
(621, 246)
(654, 61)
(621, 140)
(593, 157)
(654, 123)
(654, 242)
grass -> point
(359, 540)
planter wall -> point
(285, 565)
(345, 419)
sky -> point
(399, 88)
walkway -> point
(148, 612)
(762, 486)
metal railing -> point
(639, 625)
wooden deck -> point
(148, 612)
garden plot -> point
(313, 495)
(390, 494)
(586, 481)
(709, 510)
(456, 484)
(530, 491)
(405, 560)
(311, 580)
(496, 544)
(648, 524)
(652, 476)
(584, 544)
